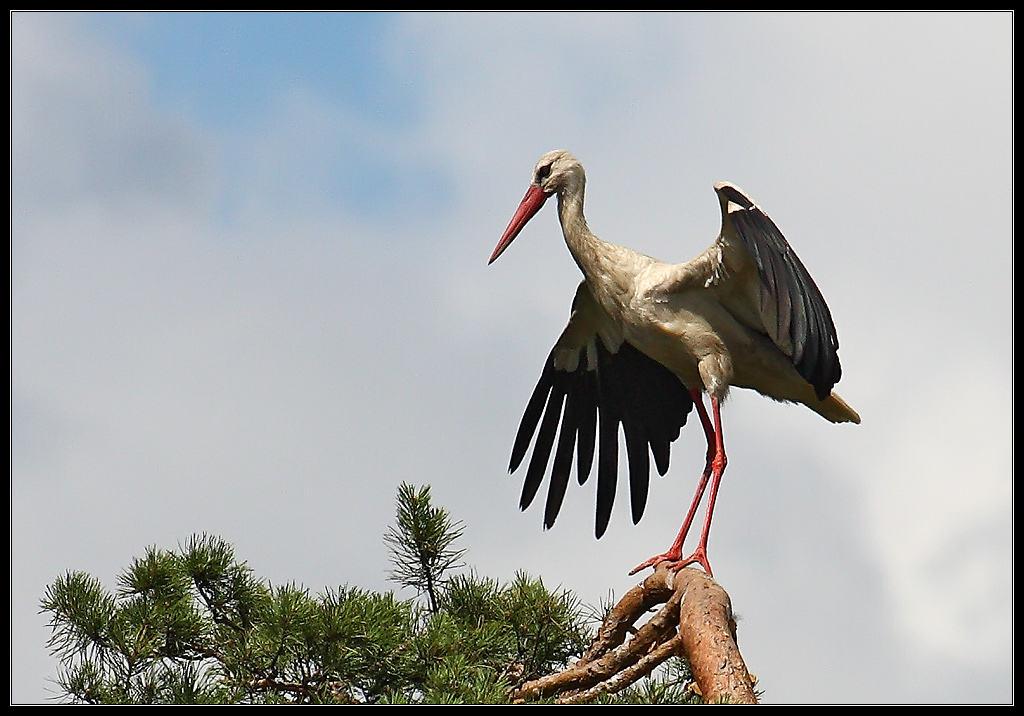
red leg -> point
(713, 468)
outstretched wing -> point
(791, 307)
(593, 382)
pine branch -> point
(421, 543)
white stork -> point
(645, 339)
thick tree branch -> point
(694, 622)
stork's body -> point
(646, 338)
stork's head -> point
(555, 172)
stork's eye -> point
(544, 171)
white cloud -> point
(940, 496)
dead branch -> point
(695, 622)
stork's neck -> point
(590, 252)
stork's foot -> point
(673, 557)
(655, 561)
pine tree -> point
(195, 625)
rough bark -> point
(695, 622)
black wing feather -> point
(586, 434)
(563, 458)
(607, 464)
(542, 449)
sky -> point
(250, 297)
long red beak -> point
(530, 205)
